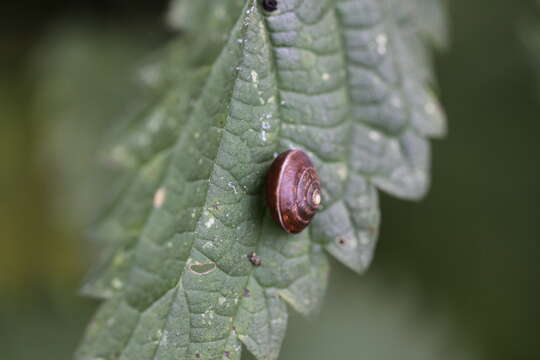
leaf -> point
(428, 17)
(349, 82)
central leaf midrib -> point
(222, 129)
(179, 142)
(277, 95)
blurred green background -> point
(455, 276)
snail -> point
(293, 191)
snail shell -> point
(293, 191)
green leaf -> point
(428, 17)
(349, 82)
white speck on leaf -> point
(364, 239)
(382, 41)
(165, 338)
(430, 108)
(208, 244)
(342, 171)
(210, 222)
(117, 284)
(395, 101)
(208, 316)
(231, 185)
(159, 197)
(374, 135)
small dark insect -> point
(269, 5)
(255, 260)
(227, 354)
(198, 356)
(293, 191)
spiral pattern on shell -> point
(293, 191)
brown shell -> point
(293, 191)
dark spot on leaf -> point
(341, 241)
(269, 5)
(198, 356)
(221, 120)
(255, 260)
(246, 293)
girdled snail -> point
(293, 191)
